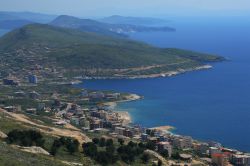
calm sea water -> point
(207, 105)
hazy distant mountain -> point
(4, 16)
(13, 24)
(78, 52)
(87, 25)
(102, 28)
(29, 16)
(146, 21)
(13, 20)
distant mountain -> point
(145, 21)
(13, 24)
(28, 16)
(13, 20)
(75, 52)
(102, 28)
(4, 16)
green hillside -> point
(96, 55)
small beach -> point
(124, 115)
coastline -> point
(173, 73)
(127, 118)
(166, 129)
(124, 115)
(162, 74)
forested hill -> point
(76, 51)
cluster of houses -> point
(13, 81)
(211, 153)
(97, 119)
(100, 118)
(98, 95)
(167, 141)
(33, 94)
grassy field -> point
(13, 157)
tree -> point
(121, 141)
(159, 163)
(89, 149)
(132, 144)
(109, 142)
(56, 145)
(63, 140)
(53, 150)
(164, 152)
(25, 138)
(139, 150)
(102, 158)
(150, 145)
(141, 145)
(95, 140)
(102, 142)
(72, 146)
(127, 158)
(176, 156)
(110, 149)
(145, 158)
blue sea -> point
(207, 105)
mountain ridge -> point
(145, 21)
(89, 25)
(77, 52)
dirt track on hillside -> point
(68, 131)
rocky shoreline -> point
(162, 74)
(125, 116)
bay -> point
(207, 105)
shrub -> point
(25, 138)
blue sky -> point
(155, 8)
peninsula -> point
(44, 120)
(75, 53)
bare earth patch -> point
(68, 131)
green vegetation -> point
(72, 145)
(7, 124)
(25, 138)
(14, 157)
(105, 152)
(75, 53)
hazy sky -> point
(130, 7)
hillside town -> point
(90, 111)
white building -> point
(241, 160)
